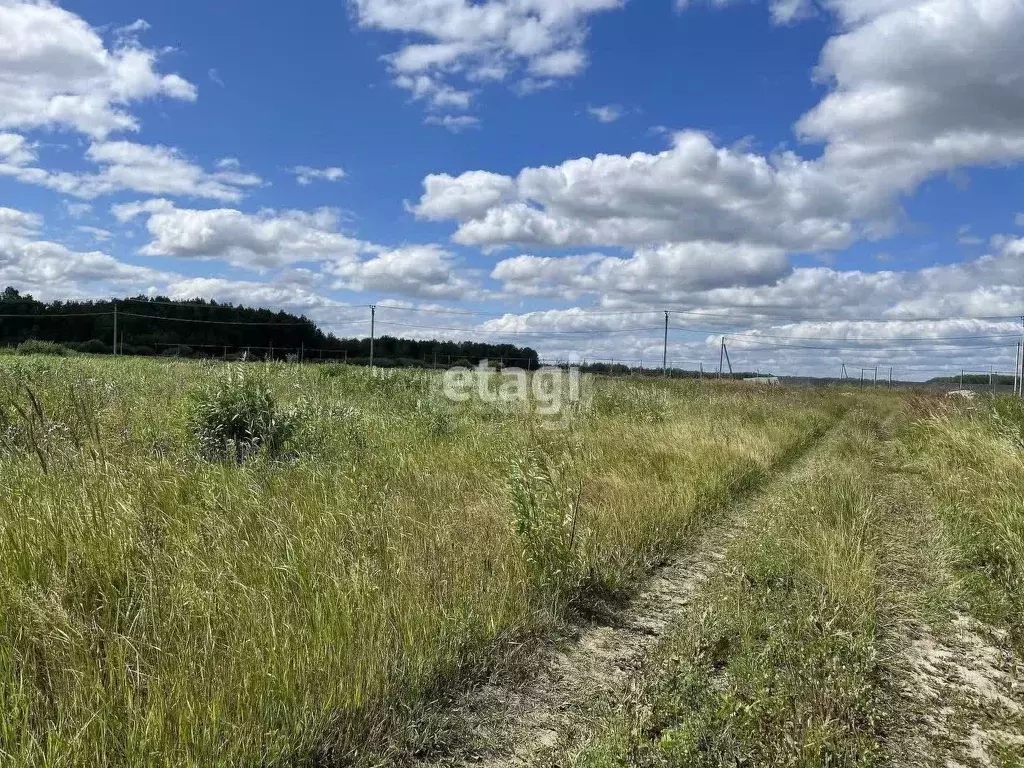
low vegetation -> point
(207, 565)
(212, 564)
(834, 632)
(36, 347)
(971, 455)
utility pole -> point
(961, 378)
(1016, 368)
(727, 360)
(842, 373)
(1020, 366)
(862, 378)
(115, 327)
(664, 355)
(890, 377)
(373, 318)
(874, 383)
(721, 358)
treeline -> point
(200, 328)
(621, 369)
(975, 379)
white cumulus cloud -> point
(51, 270)
(263, 240)
(694, 191)
(450, 46)
(424, 271)
(128, 166)
(57, 72)
(649, 275)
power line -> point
(67, 314)
(797, 315)
(216, 323)
(597, 331)
(201, 304)
(596, 312)
(979, 337)
(870, 348)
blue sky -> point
(845, 171)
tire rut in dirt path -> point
(518, 725)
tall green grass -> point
(972, 458)
(298, 585)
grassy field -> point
(273, 564)
(867, 613)
(175, 593)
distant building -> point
(763, 379)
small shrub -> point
(239, 416)
(39, 347)
(546, 505)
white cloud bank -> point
(694, 191)
(916, 88)
(274, 240)
(53, 270)
(56, 72)
(126, 166)
(649, 275)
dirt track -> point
(517, 725)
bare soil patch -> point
(967, 697)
